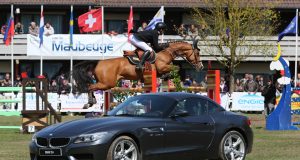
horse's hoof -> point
(86, 106)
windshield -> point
(144, 106)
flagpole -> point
(102, 14)
(296, 55)
(41, 59)
(71, 45)
(12, 49)
(41, 65)
(71, 73)
(163, 12)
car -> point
(148, 127)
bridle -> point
(196, 63)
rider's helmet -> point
(160, 25)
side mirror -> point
(180, 113)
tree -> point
(233, 30)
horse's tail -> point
(82, 74)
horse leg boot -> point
(143, 60)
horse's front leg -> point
(91, 100)
(164, 72)
(165, 69)
(94, 87)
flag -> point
(159, 17)
(71, 27)
(90, 21)
(290, 29)
(130, 22)
(42, 23)
(9, 31)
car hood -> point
(85, 126)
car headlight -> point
(86, 138)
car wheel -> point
(233, 146)
(123, 148)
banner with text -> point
(62, 103)
(83, 45)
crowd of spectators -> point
(33, 29)
(191, 30)
(59, 84)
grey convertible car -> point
(163, 126)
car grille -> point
(42, 141)
(59, 142)
(55, 142)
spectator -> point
(3, 29)
(193, 31)
(244, 80)
(181, 30)
(188, 81)
(261, 83)
(143, 27)
(59, 81)
(298, 80)
(203, 31)
(269, 92)
(139, 84)
(251, 85)
(33, 29)
(65, 88)
(18, 81)
(223, 86)
(53, 86)
(19, 28)
(203, 83)
(194, 83)
(48, 29)
(7, 81)
(238, 87)
(292, 82)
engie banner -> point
(83, 45)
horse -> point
(108, 72)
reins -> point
(185, 57)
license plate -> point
(50, 152)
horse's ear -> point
(195, 44)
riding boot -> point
(144, 58)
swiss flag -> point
(90, 21)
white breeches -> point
(140, 44)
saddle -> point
(134, 57)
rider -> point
(140, 40)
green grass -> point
(268, 145)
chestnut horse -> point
(108, 72)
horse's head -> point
(188, 52)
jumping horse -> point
(108, 72)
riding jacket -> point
(149, 36)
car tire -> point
(232, 146)
(125, 147)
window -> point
(144, 106)
(212, 108)
(194, 106)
